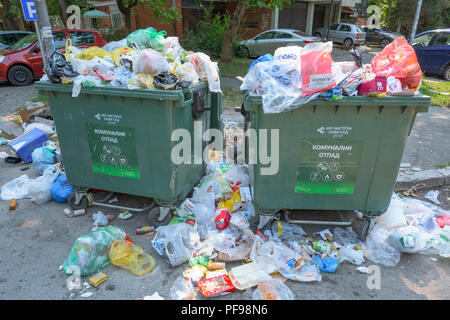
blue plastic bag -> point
(328, 264)
(266, 57)
(61, 189)
(42, 159)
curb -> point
(426, 179)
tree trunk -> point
(227, 44)
(63, 11)
(126, 11)
(7, 15)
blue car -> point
(433, 52)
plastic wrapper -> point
(398, 59)
(182, 289)
(379, 250)
(91, 52)
(271, 256)
(348, 253)
(118, 53)
(206, 69)
(346, 237)
(332, 94)
(306, 272)
(195, 273)
(129, 256)
(141, 80)
(350, 83)
(165, 80)
(216, 286)
(16, 189)
(316, 68)
(273, 289)
(443, 221)
(122, 77)
(287, 231)
(186, 72)
(40, 187)
(233, 204)
(90, 252)
(42, 158)
(61, 189)
(100, 220)
(85, 81)
(432, 195)
(151, 62)
(440, 242)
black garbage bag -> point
(165, 80)
(59, 67)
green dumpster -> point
(119, 140)
(342, 155)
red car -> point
(22, 63)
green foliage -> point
(208, 34)
(114, 34)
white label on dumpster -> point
(335, 132)
(109, 118)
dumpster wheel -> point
(159, 216)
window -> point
(424, 40)
(283, 35)
(7, 40)
(24, 42)
(345, 28)
(334, 26)
(265, 36)
(117, 20)
(442, 39)
(80, 38)
(59, 39)
(302, 34)
(358, 29)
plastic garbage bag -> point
(84, 81)
(415, 206)
(305, 272)
(351, 82)
(182, 289)
(118, 53)
(42, 158)
(287, 231)
(83, 67)
(266, 57)
(91, 52)
(379, 250)
(91, 251)
(141, 80)
(409, 239)
(443, 220)
(271, 256)
(433, 196)
(440, 242)
(173, 50)
(122, 77)
(61, 189)
(393, 217)
(316, 68)
(398, 59)
(186, 72)
(177, 242)
(59, 67)
(111, 46)
(16, 189)
(130, 256)
(151, 62)
(206, 69)
(100, 220)
(40, 187)
(273, 289)
(165, 80)
(348, 253)
(156, 39)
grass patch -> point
(441, 100)
(232, 98)
(42, 99)
(237, 67)
(442, 166)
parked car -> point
(380, 36)
(433, 52)
(268, 41)
(8, 38)
(22, 62)
(343, 33)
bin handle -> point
(188, 102)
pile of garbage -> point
(144, 59)
(294, 75)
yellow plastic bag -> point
(231, 204)
(91, 52)
(117, 54)
(141, 80)
(129, 256)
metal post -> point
(44, 31)
(416, 19)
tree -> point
(236, 18)
(161, 9)
(8, 15)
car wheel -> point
(20, 76)
(447, 73)
(348, 42)
(384, 43)
(244, 52)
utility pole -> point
(331, 19)
(44, 31)
(416, 19)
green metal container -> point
(342, 155)
(119, 140)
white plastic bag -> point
(16, 189)
(39, 188)
(378, 248)
(110, 46)
(393, 217)
(308, 272)
(349, 254)
(182, 289)
(100, 220)
(151, 62)
(186, 72)
(271, 256)
(409, 239)
(206, 69)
